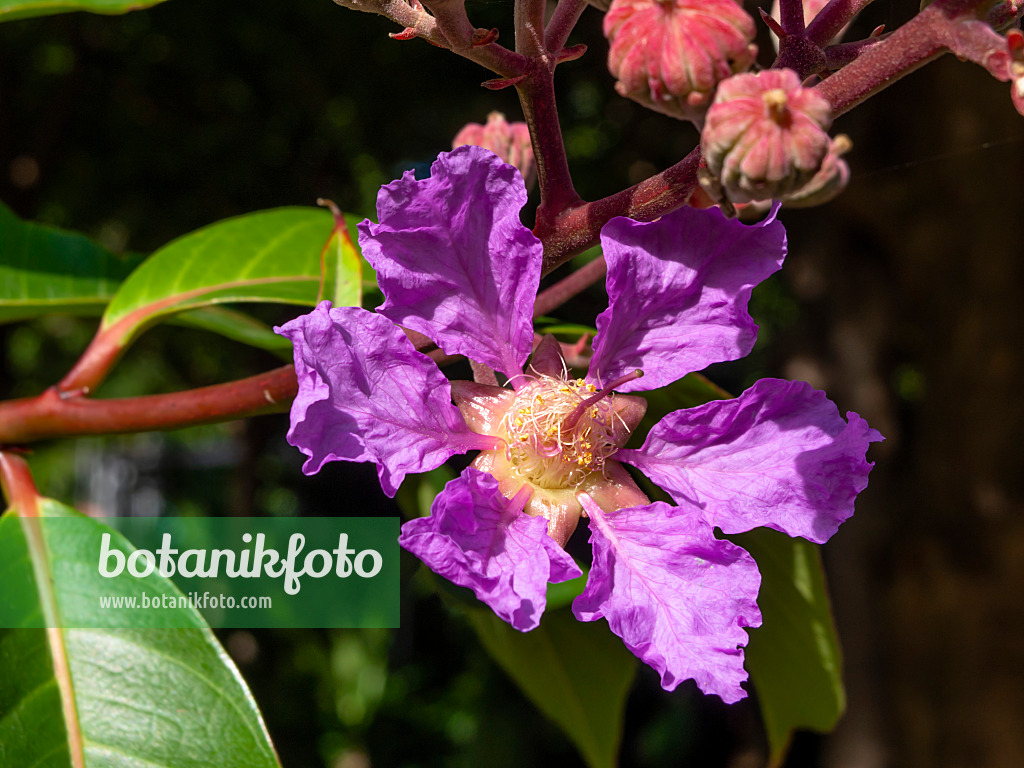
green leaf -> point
(45, 270)
(793, 658)
(236, 326)
(348, 289)
(271, 256)
(550, 325)
(578, 674)
(136, 697)
(24, 9)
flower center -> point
(559, 431)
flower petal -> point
(365, 394)
(677, 293)
(676, 595)
(454, 260)
(478, 538)
(779, 455)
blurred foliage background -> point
(901, 298)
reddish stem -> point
(791, 16)
(840, 55)
(529, 26)
(831, 19)
(562, 23)
(578, 228)
(447, 28)
(929, 34)
(18, 486)
(53, 415)
(537, 97)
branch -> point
(53, 414)
(791, 16)
(447, 28)
(832, 18)
(537, 97)
(579, 228)
(562, 23)
(926, 36)
(529, 26)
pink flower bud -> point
(828, 182)
(1017, 92)
(1015, 67)
(509, 141)
(764, 137)
(670, 54)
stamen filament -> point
(574, 416)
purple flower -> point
(456, 264)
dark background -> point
(901, 298)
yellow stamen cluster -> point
(545, 452)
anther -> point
(574, 416)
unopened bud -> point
(670, 55)
(764, 137)
(1017, 91)
(828, 182)
(1015, 67)
(509, 141)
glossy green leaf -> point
(271, 256)
(348, 289)
(578, 674)
(24, 9)
(134, 698)
(45, 270)
(793, 657)
(236, 326)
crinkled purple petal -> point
(454, 261)
(677, 294)
(365, 394)
(779, 455)
(677, 596)
(478, 538)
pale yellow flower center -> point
(552, 442)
